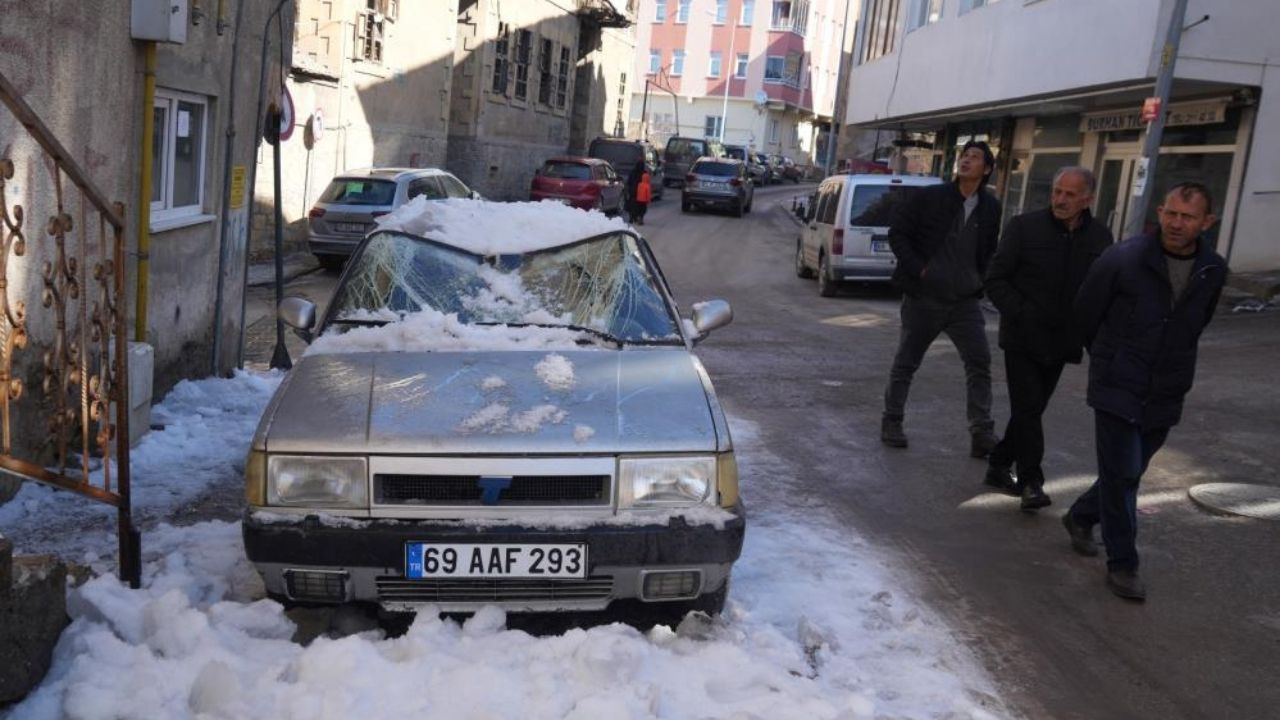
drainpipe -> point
(144, 191)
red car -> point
(583, 182)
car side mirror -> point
(709, 315)
(299, 314)
(475, 195)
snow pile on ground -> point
(817, 625)
(492, 228)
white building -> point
(1056, 82)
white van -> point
(846, 232)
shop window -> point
(1030, 185)
(178, 155)
(1057, 131)
(1211, 169)
(1223, 133)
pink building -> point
(759, 73)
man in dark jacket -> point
(1140, 311)
(1042, 259)
(943, 238)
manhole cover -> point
(1255, 501)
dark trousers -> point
(923, 320)
(1031, 384)
(1124, 451)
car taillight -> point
(837, 241)
(380, 213)
(735, 182)
(690, 178)
(316, 212)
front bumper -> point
(367, 558)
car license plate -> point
(467, 560)
(880, 246)
(348, 227)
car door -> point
(809, 234)
(611, 192)
(454, 188)
(425, 186)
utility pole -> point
(1146, 169)
(836, 112)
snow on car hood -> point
(500, 402)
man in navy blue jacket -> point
(1141, 310)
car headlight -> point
(300, 480)
(666, 482)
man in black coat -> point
(1033, 279)
(1140, 311)
(943, 238)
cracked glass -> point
(603, 286)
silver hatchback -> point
(348, 207)
(718, 182)
(557, 447)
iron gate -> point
(85, 372)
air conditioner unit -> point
(160, 20)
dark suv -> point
(683, 152)
(623, 156)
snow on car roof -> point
(486, 227)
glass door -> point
(1113, 193)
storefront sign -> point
(1197, 113)
(1150, 109)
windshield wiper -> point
(362, 323)
(578, 328)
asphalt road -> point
(810, 371)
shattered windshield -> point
(601, 286)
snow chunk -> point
(491, 228)
(493, 382)
(533, 419)
(555, 371)
(496, 417)
(583, 433)
(430, 330)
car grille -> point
(394, 489)
(397, 589)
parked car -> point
(846, 231)
(785, 168)
(347, 207)
(718, 182)
(551, 444)
(759, 172)
(770, 176)
(682, 152)
(624, 154)
(582, 182)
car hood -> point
(494, 402)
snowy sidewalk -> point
(817, 626)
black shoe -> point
(1001, 478)
(891, 433)
(983, 442)
(1081, 536)
(1034, 497)
(1127, 584)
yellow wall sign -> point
(237, 186)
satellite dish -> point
(762, 98)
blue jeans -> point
(1124, 451)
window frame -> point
(371, 35)
(660, 12)
(747, 10)
(682, 11)
(677, 63)
(163, 210)
(742, 64)
(712, 123)
(921, 10)
(655, 61)
(715, 64)
(501, 82)
(782, 74)
(561, 93)
(523, 54)
(721, 12)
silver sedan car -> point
(353, 200)
(558, 454)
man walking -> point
(1141, 310)
(943, 238)
(1033, 279)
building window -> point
(792, 15)
(370, 30)
(677, 63)
(881, 29)
(774, 67)
(562, 78)
(713, 125)
(741, 70)
(722, 11)
(713, 65)
(655, 61)
(925, 12)
(748, 10)
(177, 164)
(660, 12)
(545, 86)
(524, 48)
(773, 130)
(967, 5)
(682, 11)
(502, 59)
